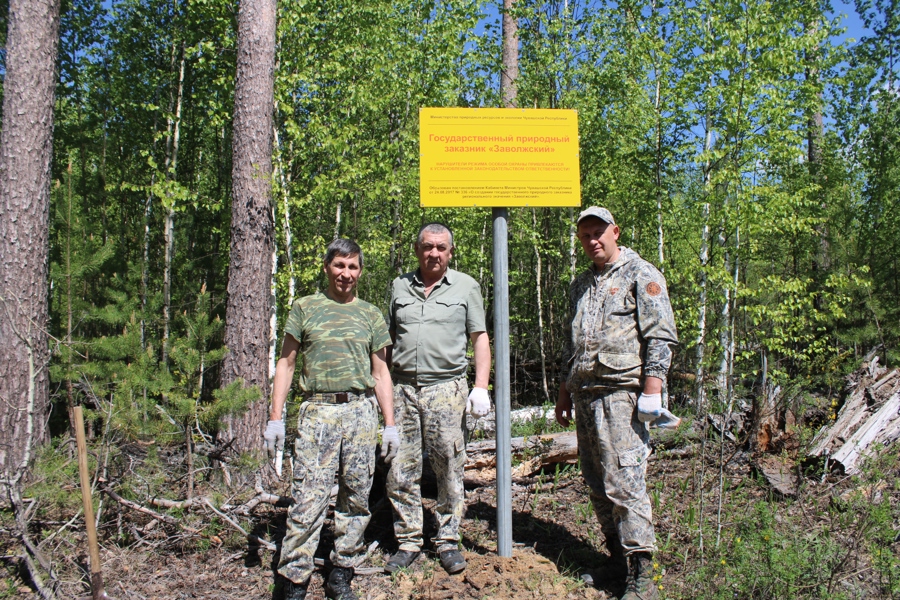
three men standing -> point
(434, 312)
(620, 335)
(343, 341)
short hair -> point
(436, 228)
(343, 247)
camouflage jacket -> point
(620, 327)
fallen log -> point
(536, 452)
(881, 427)
(539, 451)
(869, 418)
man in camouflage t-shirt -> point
(343, 341)
(620, 335)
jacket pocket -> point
(619, 369)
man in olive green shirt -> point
(434, 313)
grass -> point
(821, 545)
(538, 424)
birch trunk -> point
(573, 258)
(284, 181)
(704, 262)
(509, 72)
(540, 312)
(169, 228)
(659, 208)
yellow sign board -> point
(498, 157)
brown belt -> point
(334, 397)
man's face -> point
(434, 253)
(343, 273)
(598, 238)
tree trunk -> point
(510, 70)
(658, 172)
(252, 229)
(540, 312)
(284, 182)
(337, 221)
(25, 151)
(700, 401)
(70, 392)
(724, 326)
(273, 312)
(573, 258)
(169, 226)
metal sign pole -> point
(501, 382)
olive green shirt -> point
(431, 334)
(337, 342)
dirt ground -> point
(551, 541)
(556, 540)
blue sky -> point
(850, 19)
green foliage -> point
(772, 547)
(695, 125)
(538, 425)
(193, 355)
(55, 481)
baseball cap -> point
(596, 211)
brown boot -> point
(640, 584)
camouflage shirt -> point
(620, 327)
(336, 341)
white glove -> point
(274, 437)
(390, 443)
(649, 407)
(479, 402)
(666, 420)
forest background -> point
(748, 149)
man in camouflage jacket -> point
(620, 335)
(344, 343)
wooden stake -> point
(97, 592)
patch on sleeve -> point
(654, 289)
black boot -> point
(614, 569)
(400, 560)
(640, 584)
(338, 586)
(617, 564)
(294, 591)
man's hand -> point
(274, 437)
(390, 443)
(479, 402)
(649, 407)
(563, 408)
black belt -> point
(334, 397)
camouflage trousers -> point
(429, 418)
(331, 439)
(613, 446)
